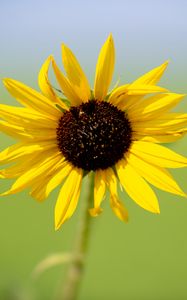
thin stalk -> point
(76, 267)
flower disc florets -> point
(94, 135)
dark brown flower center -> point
(94, 135)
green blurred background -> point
(147, 258)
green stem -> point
(76, 268)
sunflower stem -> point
(76, 267)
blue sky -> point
(146, 33)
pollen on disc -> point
(94, 135)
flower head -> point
(116, 135)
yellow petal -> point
(17, 151)
(154, 106)
(50, 180)
(24, 163)
(153, 76)
(45, 85)
(173, 123)
(34, 173)
(25, 117)
(142, 86)
(57, 178)
(128, 101)
(152, 131)
(166, 122)
(39, 189)
(143, 89)
(118, 208)
(166, 137)
(157, 176)
(99, 192)
(116, 205)
(75, 74)
(13, 131)
(119, 94)
(13, 171)
(136, 187)
(66, 86)
(68, 197)
(27, 134)
(31, 98)
(170, 117)
(128, 95)
(158, 155)
(157, 131)
(104, 69)
(170, 138)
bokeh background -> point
(146, 259)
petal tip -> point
(5, 193)
(157, 211)
(166, 63)
(183, 195)
(52, 60)
(94, 212)
(5, 81)
(126, 219)
(64, 47)
(65, 50)
(50, 57)
(57, 228)
(110, 37)
(180, 96)
(57, 225)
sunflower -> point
(116, 135)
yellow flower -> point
(116, 135)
